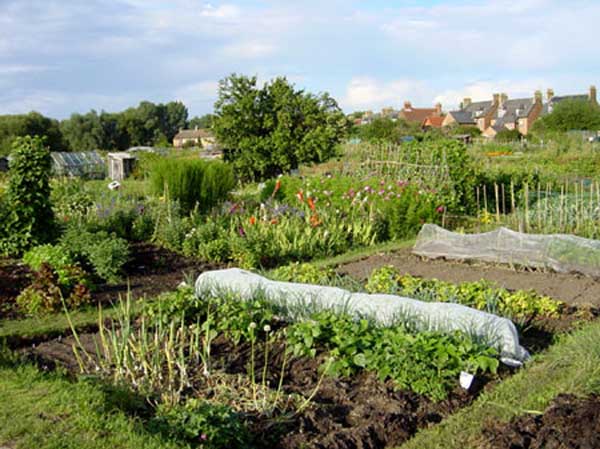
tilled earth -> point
(345, 413)
(569, 423)
(573, 289)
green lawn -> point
(46, 411)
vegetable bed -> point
(233, 374)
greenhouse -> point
(87, 164)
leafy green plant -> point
(203, 424)
(521, 305)
(28, 218)
(104, 252)
(304, 273)
(427, 363)
(57, 256)
(47, 293)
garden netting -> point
(298, 301)
(559, 252)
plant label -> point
(466, 380)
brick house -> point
(478, 113)
(518, 113)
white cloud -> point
(370, 93)
(198, 96)
(220, 12)
(251, 49)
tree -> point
(83, 132)
(28, 219)
(34, 123)
(508, 135)
(570, 115)
(204, 121)
(384, 128)
(270, 130)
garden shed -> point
(88, 164)
(120, 165)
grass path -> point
(46, 411)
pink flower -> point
(203, 437)
(440, 209)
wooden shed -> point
(120, 165)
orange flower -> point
(252, 220)
(277, 186)
(274, 221)
(300, 196)
(311, 203)
(314, 220)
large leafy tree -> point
(570, 115)
(34, 123)
(273, 129)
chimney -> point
(496, 98)
(407, 105)
(503, 98)
(538, 96)
(549, 94)
(593, 98)
(466, 102)
(438, 108)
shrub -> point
(105, 253)
(193, 183)
(57, 256)
(28, 218)
(406, 215)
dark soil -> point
(346, 413)
(573, 289)
(570, 422)
(150, 271)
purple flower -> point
(241, 231)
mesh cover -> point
(559, 252)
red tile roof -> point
(417, 114)
(434, 121)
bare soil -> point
(573, 289)
(346, 413)
(570, 422)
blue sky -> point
(64, 56)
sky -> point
(64, 56)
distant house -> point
(518, 113)
(418, 115)
(194, 137)
(477, 113)
(552, 100)
(497, 114)
(432, 122)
